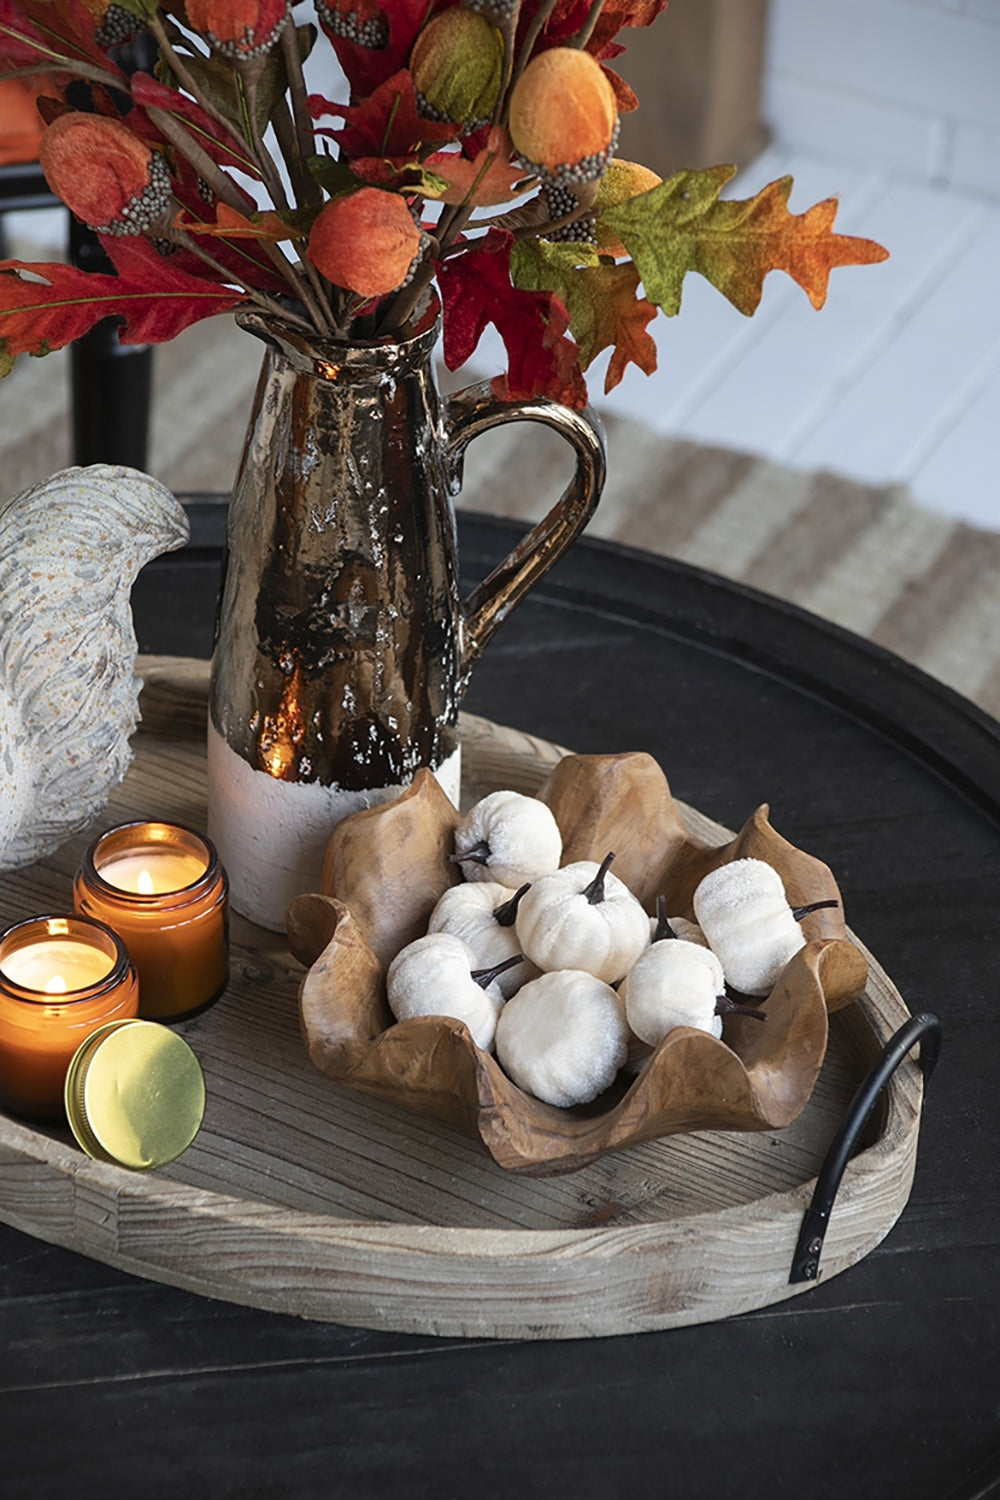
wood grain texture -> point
(305, 1197)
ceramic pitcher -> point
(343, 645)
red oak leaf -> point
(394, 172)
(39, 315)
(626, 97)
(54, 37)
(570, 16)
(394, 28)
(148, 92)
(476, 290)
(388, 123)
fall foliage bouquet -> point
(476, 150)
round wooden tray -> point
(304, 1197)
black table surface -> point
(883, 1381)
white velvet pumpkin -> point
(433, 977)
(468, 911)
(742, 909)
(674, 983)
(559, 926)
(508, 838)
(563, 1037)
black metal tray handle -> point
(925, 1029)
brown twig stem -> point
(226, 189)
(189, 243)
(156, 26)
(191, 149)
(70, 65)
(534, 31)
(301, 118)
(549, 227)
(587, 29)
(304, 293)
(248, 74)
(308, 193)
(508, 31)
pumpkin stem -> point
(594, 892)
(485, 977)
(663, 928)
(798, 912)
(724, 1006)
(506, 913)
(479, 854)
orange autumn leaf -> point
(682, 226)
(613, 317)
(230, 224)
(487, 179)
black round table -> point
(881, 1382)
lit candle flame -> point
(144, 884)
(56, 985)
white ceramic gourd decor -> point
(70, 550)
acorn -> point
(110, 179)
(500, 12)
(115, 24)
(563, 117)
(366, 242)
(239, 29)
(362, 22)
(560, 200)
(457, 68)
(622, 180)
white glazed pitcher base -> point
(271, 835)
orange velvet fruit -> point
(365, 242)
(104, 174)
(563, 115)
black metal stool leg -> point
(111, 384)
(111, 395)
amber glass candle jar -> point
(60, 979)
(161, 887)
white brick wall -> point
(912, 86)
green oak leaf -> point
(682, 226)
(334, 177)
(668, 230)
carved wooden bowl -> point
(387, 866)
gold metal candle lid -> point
(135, 1094)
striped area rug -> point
(918, 583)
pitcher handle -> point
(473, 411)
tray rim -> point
(410, 1278)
